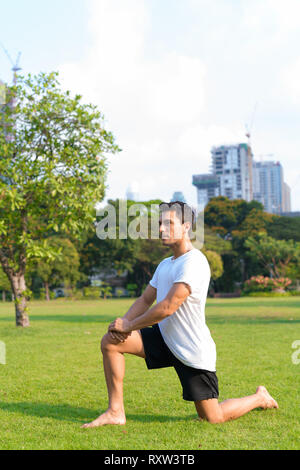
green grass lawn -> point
(53, 380)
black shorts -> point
(197, 384)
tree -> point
(214, 242)
(138, 256)
(215, 263)
(284, 228)
(234, 221)
(235, 218)
(64, 269)
(53, 168)
(4, 284)
(276, 256)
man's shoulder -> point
(165, 260)
(196, 259)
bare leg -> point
(114, 370)
(215, 412)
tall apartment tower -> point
(234, 174)
(269, 187)
(286, 204)
(233, 166)
(207, 187)
(231, 174)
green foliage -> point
(284, 228)
(274, 255)
(215, 263)
(42, 294)
(119, 292)
(105, 290)
(266, 284)
(53, 168)
(4, 282)
(224, 215)
(139, 257)
(91, 292)
(132, 289)
(236, 221)
(64, 269)
(214, 242)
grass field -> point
(53, 380)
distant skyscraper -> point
(178, 196)
(232, 165)
(231, 174)
(286, 204)
(269, 187)
(207, 188)
(132, 192)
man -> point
(178, 335)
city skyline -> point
(173, 79)
(235, 174)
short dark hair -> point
(184, 212)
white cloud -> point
(167, 111)
(291, 81)
(147, 104)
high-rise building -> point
(232, 165)
(132, 192)
(237, 176)
(178, 196)
(231, 174)
(286, 204)
(207, 188)
(269, 187)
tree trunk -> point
(18, 287)
(46, 284)
(3, 296)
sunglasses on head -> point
(170, 204)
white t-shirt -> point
(185, 331)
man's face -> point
(171, 229)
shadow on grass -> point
(211, 318)
(250, 320)
(280, 303)
(67, 318)
(78, 415)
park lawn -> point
(53, 380)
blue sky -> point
(172, 77)
(47, 33)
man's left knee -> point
(106, 342)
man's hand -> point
(118, 337)
(120, 325)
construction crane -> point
(15, 65)
(250, 125)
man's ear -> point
(187, 227)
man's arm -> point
(142, 303)
(175, 297)
(138, 308)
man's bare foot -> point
(267, 400)
(107, 418)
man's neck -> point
(181, 248)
